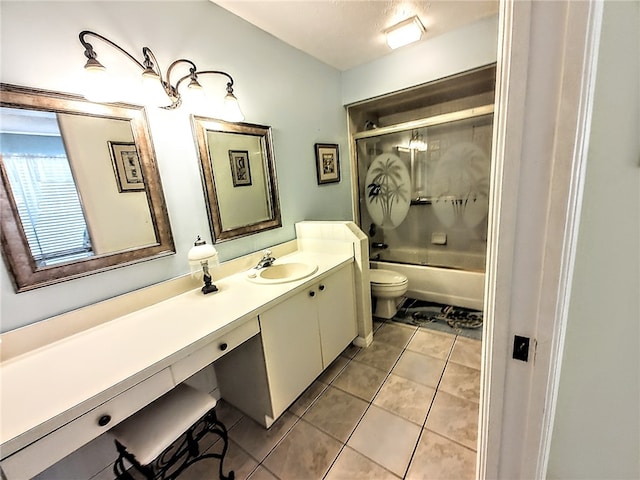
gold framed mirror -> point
(80, 190)
(237, 165)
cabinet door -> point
(291, 342)
(336, 313)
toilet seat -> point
(384, 277)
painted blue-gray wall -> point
(277, 85)
(596, 431)
(463, 49)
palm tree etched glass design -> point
(388, 187)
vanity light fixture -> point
(417, 142)
(152, 77)
(405, 32)
(205, 256)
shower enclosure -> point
(423, 196)
(424, 190)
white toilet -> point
(388, 288)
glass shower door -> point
(424, 191)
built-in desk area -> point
(54, 397)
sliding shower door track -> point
(427, 122)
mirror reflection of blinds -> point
(49, 207)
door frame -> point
(547, 58)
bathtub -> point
(462, 288)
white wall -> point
(597, 421)
(277, 85)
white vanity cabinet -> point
(291, 343)
(336, 313)
(268, 342)
(300, 337)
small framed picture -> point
(126, 165)
(327, 163)
(240, 169)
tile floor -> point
(406, 407)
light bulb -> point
(231, 109)
(154, 94)
(99, 86)
(195, 94)
(404, 33)
(417, 142)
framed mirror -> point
(80, 190)
(239, 177)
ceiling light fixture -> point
(152, 76)
(405, 32)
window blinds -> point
(49, 207)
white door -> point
(291, 342)
(336, 313)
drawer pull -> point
(104, 420)
(321, 287)
(223, 346)
(312, 293)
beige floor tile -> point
(336, 413)
(206, 442)
(405, 398)
(379, 355)
(429, 342)
(454, 418)
(461, 381)
(377, 323)
(227, 414)
(419, 368)
(309, 396)
(139, 476)
(386, 439)
(236, 460)
(396, 334)
(352, 465)
(305, 453)
(360, 380)
(333, 370)
(467, 352)
(261, 473)
(438, 458)
(386, 432)
(257, 440)
(350, 351)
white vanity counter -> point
(51, 386)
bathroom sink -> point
(282, 272)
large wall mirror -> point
(239, 177)
(80, 190)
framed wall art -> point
(126, 165)
(327, 163)
(240, 168)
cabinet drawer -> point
(218, 346)
(40, 455)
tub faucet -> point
(266, 260)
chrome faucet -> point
(266, 260)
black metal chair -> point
(162, 440)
